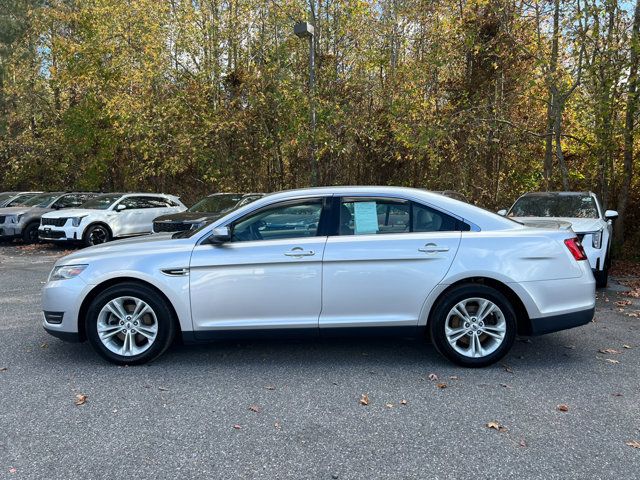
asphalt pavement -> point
(293, 409)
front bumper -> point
(8, 232)
(61, 300)
(596, 256)
(73, 337)
(59, 234)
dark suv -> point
(205, 211)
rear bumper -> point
(555, 323)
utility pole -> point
(305, 30)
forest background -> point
(489, 98)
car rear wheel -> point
(130, 324)
(473, 325)
(96, 235)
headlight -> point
(597, 239)
(65, 272)
(75, 221)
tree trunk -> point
(632, 105)
(554, 102)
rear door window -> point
(376, 216)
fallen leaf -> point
(507, 368)
(277, 425)
(570, 347)
(611, 360)
(441, 385)
(403, 402)
(163, 389)
(633, 443)
(389, 405)
(623, 303)
(364, 399)
(12, 470)
(254, 408)
(237, 427)
(609, 351)
(433, 377)
(81, 399)
(496, 426)
(3, 369)
(563, 407)
(270, 387)
(454, 377)
(616, 394)
(627, 346)
(44, 345)
(505, 385)
(523, 443)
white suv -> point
(579, 211)
(109, 216)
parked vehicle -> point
(205, 211)
(579, 211)
(16, 199)
(327, 261)
(108, 216)
(23, 222)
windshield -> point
(571, 206)
(20, 200)
(103, 202)
(5, 196)
(41, 201)
(217, 203)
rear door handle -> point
(433, 248)
(299, 252)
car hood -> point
(188, 217)
(578, 225)
(14, 210)
(72, 212)
(139, 246)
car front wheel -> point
(473, 325)
(130, 324)
(96, 235)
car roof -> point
(556, 194)
(470, 213)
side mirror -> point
(610, 214)
(120, 207)
(502, 212)
(220, 235)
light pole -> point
(305, 30)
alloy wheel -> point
(98, 236)
(475, 327)
(127, 326)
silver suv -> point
(22, 221)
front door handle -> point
(433, 248)
(299, 252)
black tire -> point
(445, 304)
(166, 324)
(30, 233)
(96, 235)
(602, 277)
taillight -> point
(575, 247)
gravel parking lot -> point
(293, 409)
